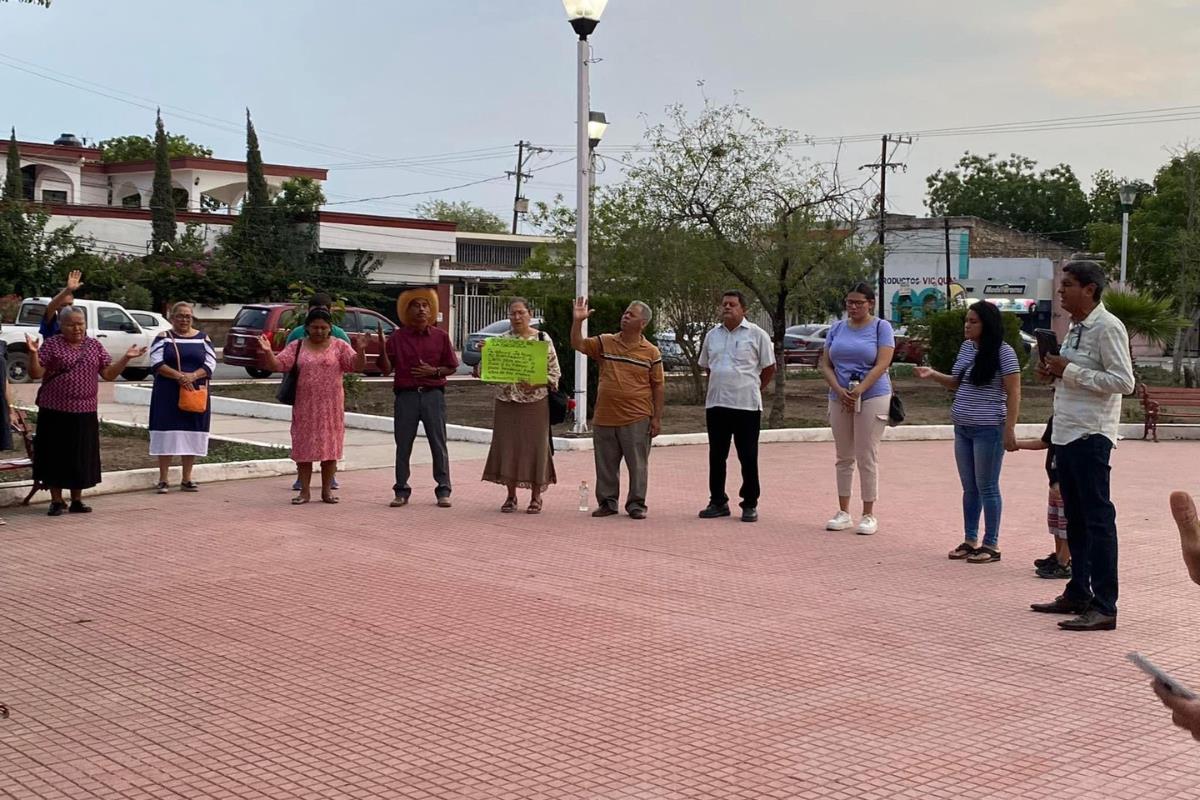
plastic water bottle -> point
(583, 496)
(854, 382)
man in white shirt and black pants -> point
(740, 360)
(1092, 372)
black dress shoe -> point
(1090, 620)
(749, 515)
(713, 511)
(78, 507)
(637, 513)
(604, 511)
(1060, 605)
(56, 509)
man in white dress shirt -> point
(740, 360)
(1092, 372)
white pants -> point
(856, 436)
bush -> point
(556, 322)
(946, 337)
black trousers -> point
(742, 426)
(1083, 476)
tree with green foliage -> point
(14, 188)
(271, 244)
(142, 148)
(1011, 192)
(469, 217)
(30, 251)
(1155, 319)
(162, 198)
(782, 227)
(300, 197)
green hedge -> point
(946, 337)
(556, 322)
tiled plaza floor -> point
(229, 645)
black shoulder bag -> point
(556, 398)
(896, 407)
(286, 393)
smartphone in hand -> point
(1047, 343)
(1154, 671)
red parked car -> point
(908, 351)
(241, 343)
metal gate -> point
(470, 312)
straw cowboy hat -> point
(427, 293)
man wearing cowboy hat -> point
(422, 356)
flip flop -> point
(299, 501)
(331, 499)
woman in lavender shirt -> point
(858, 351)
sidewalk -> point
(228, 645)
(363, 449)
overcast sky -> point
(333, 83)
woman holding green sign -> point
(520, 455)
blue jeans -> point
(979, 452)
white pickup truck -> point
(108, 323)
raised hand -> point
(580, 311)
(1183, 509)
(265, 343)
(74, 280)
(32, 342)
(360, 346)
(136, 351)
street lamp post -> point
(584, 16)
(1128, 194)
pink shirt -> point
(72, 374)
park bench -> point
(1168, 402)
(20, 428)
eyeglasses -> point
(856, 303)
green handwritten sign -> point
(508, 360)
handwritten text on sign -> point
(514, 361)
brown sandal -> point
(510, 505)
(535, 506)
(964, 550)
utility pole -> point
(520, 173)
(883, 166)
(949, 280)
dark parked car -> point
(241, 343)
(472, 350)
(908, 351)
(802, 344)
(672, 354)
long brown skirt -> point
(520, 454)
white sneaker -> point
(840, 522)
(867, 525)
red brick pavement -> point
(228, 645)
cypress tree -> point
(162, 200)
(13, 180)
(257, 195)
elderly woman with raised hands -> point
(183, 362)
(318, 413)
(67, 455)
(520, 455)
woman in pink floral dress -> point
(318, 414)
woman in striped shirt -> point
(986, 380)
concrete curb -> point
(136, 395)
(137, 480)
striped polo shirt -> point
(626, 375)
(985, 405)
